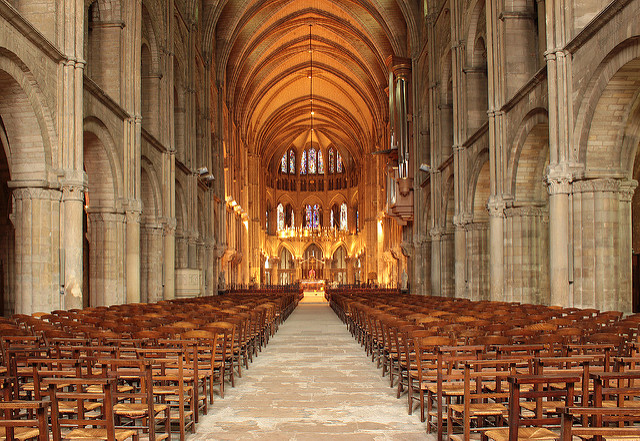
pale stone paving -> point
(312, 382)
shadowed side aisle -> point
(313, 381)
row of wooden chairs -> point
(129, 371)
(502, 370)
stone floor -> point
(312, 382)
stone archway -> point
(608, 134)
(105, 228)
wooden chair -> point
(22, 429)
(481, 404)
(536, 428)
(133, 396)
(224, 361)
(593, 427)
(76, 391)
(171, 384)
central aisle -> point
(312, 382)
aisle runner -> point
(312, 382)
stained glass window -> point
(283, 165)
(308, 216)
(332, 161)
(320, 162)
(303, 163)
(312, 161)
(333, 225)
(316, 217)
(293, 221)
(343, 217)
(292, 162)
(280, 217)
(338, 162)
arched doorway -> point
(339, 266)
(286, 268)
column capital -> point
(169, 226)
(461, 220)
(496, 206)
(133, 216)
(627, 190)
(436, 233)
(559, 177)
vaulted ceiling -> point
(263, 56)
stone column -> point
(106, 241)
(169, 279)
(274, 262)
(133, 256)
(181, 250)
(73, 212)
(153, 273)
(209, 273)
(460, 245)
(36, 218)
(625, 299)
(496, 207)
(478, 260)
(559, 189)
(436, 280)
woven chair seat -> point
(481, 409)
(169, 390)
(547, 406)
(72, 407)
(122, 388)
(20, 433)
(524, 434)
(136, 410)
(98, 434)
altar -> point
(313, 290)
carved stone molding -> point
(526, 212)
(477, 226)
(597, 186)
(106, 217)
(36, 193)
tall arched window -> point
(280, 217)
(292, 162)
(332, 161)
(338, 162)
(312, 161)
(303, 163)
(335, 215)
(312, 217)
(288, 162)
(343, 217)
(320, 162)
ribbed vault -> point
(263, 59)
